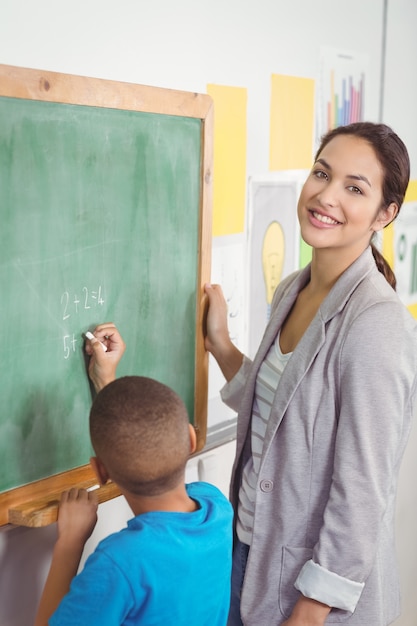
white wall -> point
(399, 110)
(400, 91)
(186, 45)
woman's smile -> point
(323, 219)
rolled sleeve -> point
(318, 583)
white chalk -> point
(93, 488)
(91, 336)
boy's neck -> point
(176, 500)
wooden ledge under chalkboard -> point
(36, 504)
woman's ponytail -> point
(384, 267)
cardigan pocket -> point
(293, 559)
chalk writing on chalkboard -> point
(73, 303)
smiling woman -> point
(341, 203)
(324, 410)
(372, 162)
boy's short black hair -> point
(139, 429)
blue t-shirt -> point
(163, 569)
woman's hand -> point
(308, 612)
(216, 324)
(217, 339)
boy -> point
(172, 563)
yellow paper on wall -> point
(388, 232)
(388, 237)
(229, 159)
(292, 122)
(411, 195)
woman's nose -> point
(329, 194)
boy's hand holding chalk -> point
(102, 367)
(91, 336)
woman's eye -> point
(355, 189)
(320, 174)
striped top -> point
(267, 382)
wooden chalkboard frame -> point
(36, 504)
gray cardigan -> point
(325, 499)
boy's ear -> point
(99, 470)
(193, 439)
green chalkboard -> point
(101, 221)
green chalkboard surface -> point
(101, 221)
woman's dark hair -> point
(395, 162)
